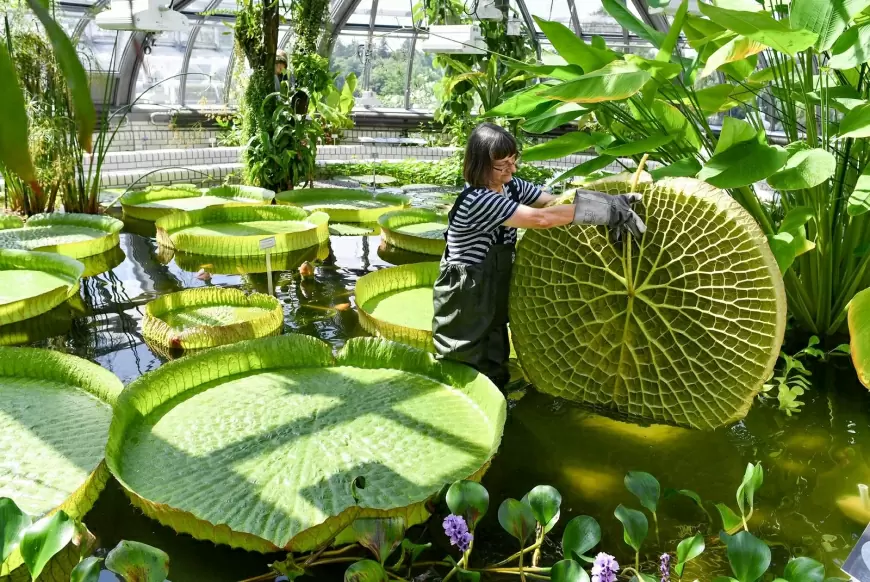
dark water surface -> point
(811, 459)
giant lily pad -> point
(72, 235)
(276, 443)
(54, 322)
(32, 283)
(396, 303)
(343, 204)
(415, 229)
(210, 316)
(55, 411)
(157, 201)
(859, 330)
(683, 328)
(236, 231)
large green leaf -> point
(827, 18)
(805, 168)
(673, 122)
(859, 330)
(45, 538)
(735, 49)
(572, 48)
(748, 555)
(236, 231)
(685, 168)
(742, 157)
(851, 49)
(520, 105)
(14, 143)
(586, 168)
(72, 235)
(581, 535)
(634, 525)
(647, 144)
(138, 562)
(623, 16)
(13, 522)
(210, 316)
(855, 124)
(295, 472)
(396, 303)
(566, 145)
(762, 27)
(415, 229)
(554, 117)
(633, 359)
(613, 82)
(33, 283)
(670, 41)
(859, 200)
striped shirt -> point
(476, 221)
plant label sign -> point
(858, 563)
(267, 243)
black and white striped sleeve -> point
(484, 211)
(529, 193)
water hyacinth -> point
(457, 530)
(665, 567)
(605, 568)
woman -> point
(471, 292)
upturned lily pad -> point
(157, 201)
(72, 235)
(236, 231)
(372, 431)
(288, 261)
(683, 327)
(396, 303)
(210, 316)
(415, 229)
(32, 283)
(55, 411)
(343, 204)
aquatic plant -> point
(156, 201)
(34, 283)
(70, 234)
(343, 204)
(415, 229)
(696, 307)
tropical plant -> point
(415, 229)
(51, 279)
(335, 107)
(813, 86)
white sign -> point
(267, 243)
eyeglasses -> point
(508, 165)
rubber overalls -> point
(471, 305)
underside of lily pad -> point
(72, 235)
(98, 264)
(157, 201)
(415, 229)
(236, 231)
(32, 283)
(287, 261)
(683, 327)
(343, 204)
(210, 316)
(277, 443)
(396, 303)
(53, 322)
(397, 256)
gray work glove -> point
(615, 212)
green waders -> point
(471, 309)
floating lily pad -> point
(72, 235)
(210, 316)
(396, 303)
(372, 431)
(373, 180)
(10, 221)
(55, 411)
(683, 328)
(343, 204)
(414, 229)
(157, 201)
(236, 231)
(288, 261)
(32, 283)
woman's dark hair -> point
(487, 143)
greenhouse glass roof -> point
(194, 69)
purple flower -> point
(605, 568)
(665, 567)
(457, 530)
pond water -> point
(810, 459)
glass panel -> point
(362, 14)
(595, 20)
(390, 68)
(285, 34)
(551, 10)
(165, 61)
(96, 45)
(197, 6)
(423, 79)
(394, 13)
(207, 70)
(347, 57)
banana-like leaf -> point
(566, 145)
(572, 48)
(859, 200)
(852, 48)
(856, 123)
(210, 316)
(585, 169)
(560, 114)
(827, 18)
(236, 231)
(762, 27)
(613, 82)
(14, 143)
(415, 229)
(673, 122)
(157, 201)
(71, 235)
(396, 303)
(736, 49)
(295, 473)
(670, 41)
(344, 204)
(647, 144)
(651, 308)
(521, 104)
(859, 330)
(55, 421)
(623, 16)
(33, 283)
(13, 523)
